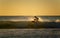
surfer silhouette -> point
(35, 19)
(35, 23)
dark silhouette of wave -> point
(28, 24)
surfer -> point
(35, 23)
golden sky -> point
(29, 7)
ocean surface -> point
(28, 24)
(10, 29)
(30, 33)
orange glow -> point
(29, 7)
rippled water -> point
(29, 33)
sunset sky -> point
(29, 7)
